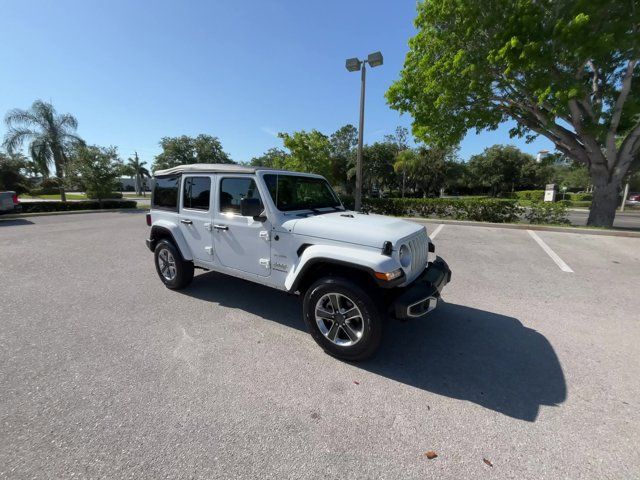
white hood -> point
(356, 228)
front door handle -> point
(221, 227)
(186, 222)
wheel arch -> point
(168, 231)
(360, 265)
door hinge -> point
(209, 249)
(208, 226)
(264, 234)
(265, 262)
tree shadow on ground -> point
(459, 352)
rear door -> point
(196, 215)
(240, 242)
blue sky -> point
(133, 72)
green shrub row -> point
(530, 195)
(112, 195)
(578, 197)
(37, 207)
(481, 210)
(546, 212)
(477, 209)
(538, 196)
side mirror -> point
(251, 207)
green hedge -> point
(547, 212)
(532, 195)
(578, 197)
(112, 195)
(482, 210)
(37, 207)
(581, 203)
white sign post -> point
(550, 192)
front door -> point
(240, 242)
(196, 213)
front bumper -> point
(421, 296)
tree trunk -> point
(604, 204)
(58, 160)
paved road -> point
(104, 373)
(626, 220)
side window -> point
(165, 193)
(196, 193)
(233, 190)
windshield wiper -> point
(315, 210)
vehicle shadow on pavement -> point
(232, 292)
(459, 352)
(474, 355)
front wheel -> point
(342, 318)
(173, 270)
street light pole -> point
(353, 65)
(358, 200)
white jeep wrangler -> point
(289, 231)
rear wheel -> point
(173, 270)
(342, 318)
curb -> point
(69, 212)
(526, 226)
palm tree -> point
(51, 136)
(139, 171)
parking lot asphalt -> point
(104, 373)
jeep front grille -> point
(419, 248)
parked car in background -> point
(9, 202)
(633, 199)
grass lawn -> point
(134, 194)
(56, 196)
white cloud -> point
(269, 131)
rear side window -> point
(196, 193)
(165, 193)
(233, 190)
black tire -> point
(349, 294)
(183, 269)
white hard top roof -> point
(220, 168)
(209, 167)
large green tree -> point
(272, 158)
(309, 152)
(97, 169)
(378, 160)
(564, 69)
(429, 170)
(502, 168)
(185, 150)
(12, 172)
(51, 136)
(343, 153)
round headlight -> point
(404, 255)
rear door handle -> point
(221, 227)
(186, 222)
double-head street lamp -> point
(353, 65)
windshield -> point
(293, 192)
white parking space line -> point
(554, 256)
(436, 231)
